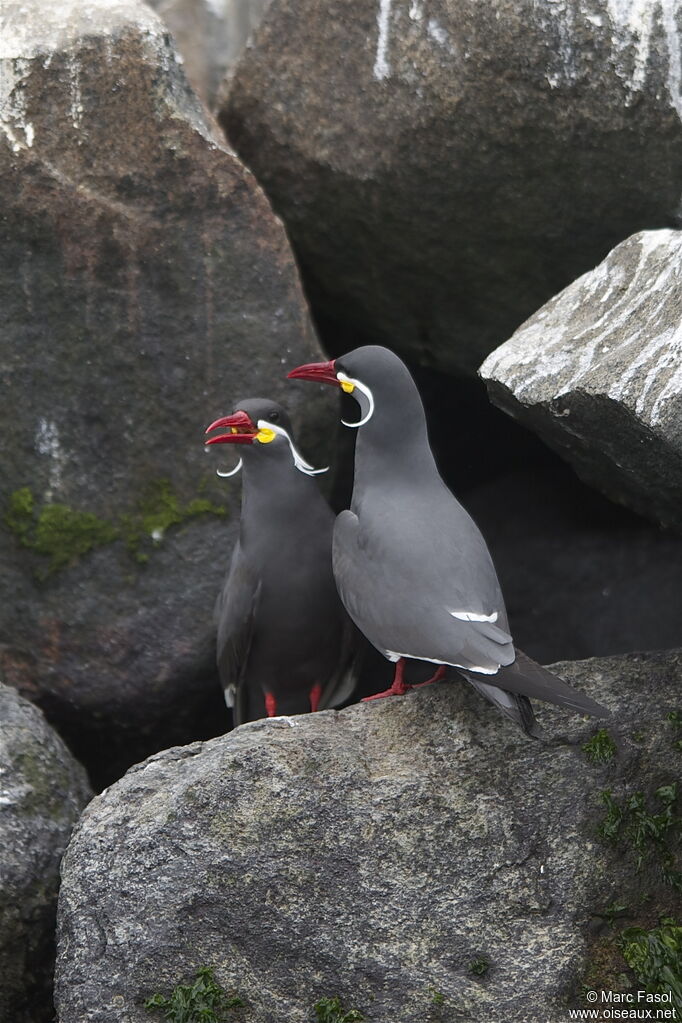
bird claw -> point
(399, 688)
(436, 677)
(395, 690)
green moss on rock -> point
(157, 510)
(62, 535)
(19, 515)
(56, 532)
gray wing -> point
(235, 614)
(403, 595)
(403, 605)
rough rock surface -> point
(210, 35)
(597, 372)
(145, 285)
(444, 168)
(42, 791)
(373, 854)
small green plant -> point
(609, 828)
(613, 911)
(330, 1010)
(437, 997)
(649, 834)
(601, 748)
(204, 1001)
(479, 966)
(655, 957)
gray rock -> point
(597, 373)
(145, 286)
(210, 35)
(373, 854)
(42, 791)
(445, 168)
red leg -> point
(314, 696)
(436, 677)
(270, 705)
(398, 688)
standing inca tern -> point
(412, 569)
(285, 642)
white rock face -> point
(598, 373)
(63, 24)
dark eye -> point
(274, 416)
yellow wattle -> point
(347, 386)
(265, 435)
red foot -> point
(398, 688)
(436, 677)
(270, 705)
(314, 696)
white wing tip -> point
(393, 655)
(472, 616)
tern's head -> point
(264, 426)
(374, 376)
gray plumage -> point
(410, 563)
(281, 627)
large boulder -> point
(42, 791)
(419, 858)
(210, 35)
(597, 373)
(445, 168)
(145, 285)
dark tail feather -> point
(514, 706)
(527, 677)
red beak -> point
(242, 430)
(320, 372)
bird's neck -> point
(277, 492)
(393, 453)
